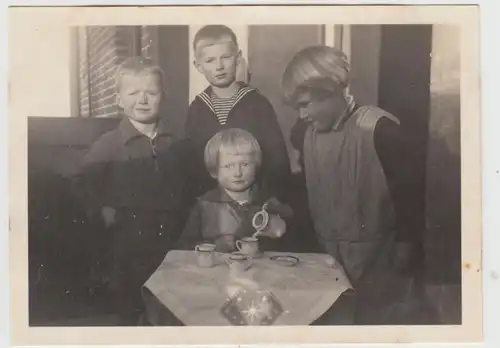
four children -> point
(136, 177)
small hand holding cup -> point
(225, 244)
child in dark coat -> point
(133, 179)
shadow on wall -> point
(61, 241)
(444, 191)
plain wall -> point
(364, 52)
(271, 47)
(173, 56)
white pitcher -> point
(269, 225)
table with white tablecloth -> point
(195, 296)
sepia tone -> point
(412, 70)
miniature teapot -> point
(267, 224)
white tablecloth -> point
(196, 295)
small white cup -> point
(238, 262)
(248, 246)
(206, 255)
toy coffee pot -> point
(267, 224)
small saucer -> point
(286, 260)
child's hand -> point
(273, 206)
(332, 262)
(109, 216)
(277, 229)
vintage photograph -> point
(249, 174)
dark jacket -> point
(125, 169)
(217, 218)
(145, 181)
(253, 113)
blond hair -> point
(238, 140)
(214, 33)
(319, 67)
(139, 65)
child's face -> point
(217, 61)
(321, 109)
(140, 96)
(236, 171)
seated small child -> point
(224, 215)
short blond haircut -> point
(320, 68)
(238, 140)
(139, 65)
(214, 33)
